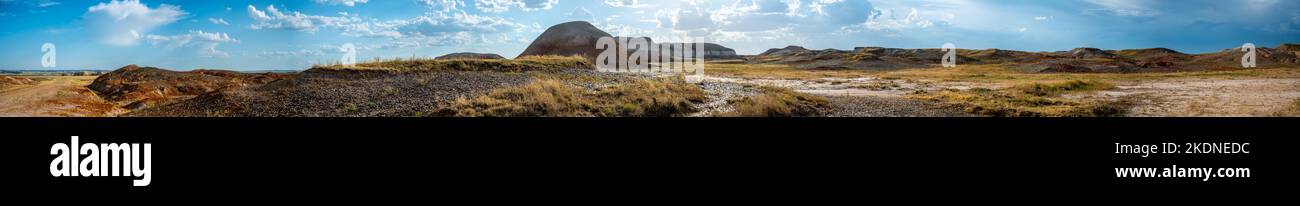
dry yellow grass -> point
(1031, 100)
(1292, 110)
(556, 98)
(1001, 73)
(779, 102)
(993, 73)
(777, 71)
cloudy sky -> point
(274, 35)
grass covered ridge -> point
(780, 102)
(1031, 100)
(547, 97)
(528, 63)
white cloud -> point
(1043, 18)
(373, 29)
(433, 25)
(624, 3)
(581, 14)
(218, 21)
(205, 42)
(342, 2)
(1139, 8)
(256, 15)
(48, 4)
(888, 23)
(442, 39)
(456, 22)
(300, 52)
(120, 23)
(274, 18)
(443, 5)
(498, 6)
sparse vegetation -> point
(1031, 100)
(1004, 73)
(780, 102)
(556, 98)
(1059, 88)
(1292, 110)
(777, 71)
(528, 63)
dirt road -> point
(1172, 97)
(55, 96)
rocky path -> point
(1255, 97)
(849, 97)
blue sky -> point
(275, 35)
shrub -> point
(780, 102)
(1032, 100)
(555, 98)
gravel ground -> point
(868, 106)
(368, 95)
(721, 94)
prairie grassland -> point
(779, 102)
(1001, 73)
(1004, 90)
(1032, 100)
(994, 73)
(1292, 110)
(659, 97)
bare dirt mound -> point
(55, 96)
(138, 87)
(12, 81)
(468, 55)
(576, 38)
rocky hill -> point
(576, 38)
(1076, 60)
(138, 87)
(377, 89)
